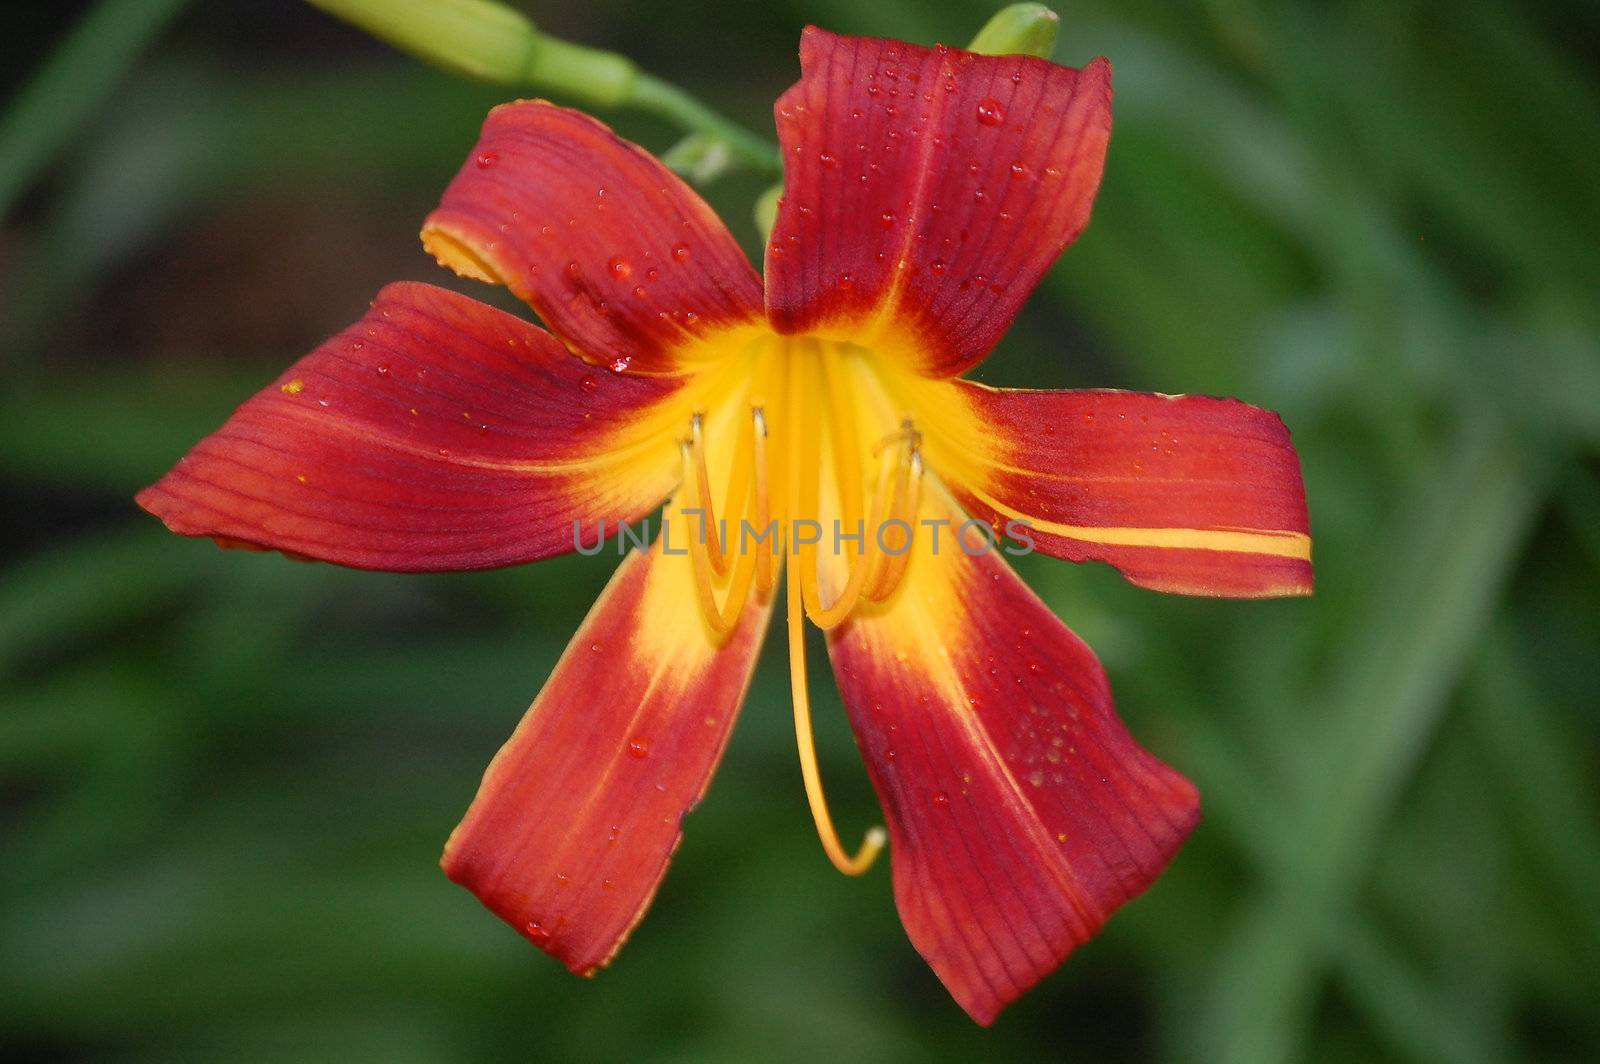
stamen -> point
(860, 572)
(766, 578)
(722, 619)
(846, 443)
(712, 538)
(907, 497)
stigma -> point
(820, 477)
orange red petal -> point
(436, 433)
(1021, 813)
(620, 258)
(926, 191)
(578, 814)
(1188, 494)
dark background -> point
(225, 779)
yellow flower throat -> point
(810, 422)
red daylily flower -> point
(927, 190)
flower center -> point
(812, 423)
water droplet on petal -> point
(588, 384)
(990, 111)
(638, 748)
(487, 159)
(680, 252)
(941, 799)
(618, 365)
(619, 268)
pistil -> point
(802, 446)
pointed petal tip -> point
(1023, 813)
(895, 156)
(621, 258)
(578, 815)
(434, 434)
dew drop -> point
(382, 368)
(941, 799)
(589, 384)
(638, 748)
(1019, 169)
(827, 160)
(618, 365)
(846, 282)
(537, 930)
(680, 252)
(487, 159)
(990, 111)
(937, 268)
(619, 268)
(562, 879)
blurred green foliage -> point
(225, 778)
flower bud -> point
(1021, 29)
(490, 42)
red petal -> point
(620, 257)
(1188, 494)
(436, 433)
(1021, 813)
(578, 814)
(927, 191)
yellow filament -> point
(709, 537)
(846, 444)
(872, 844)
(850, 595)
(907, 495)
(722, 619)
(765, 577)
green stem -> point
(658, 97)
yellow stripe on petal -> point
(1182, 493)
